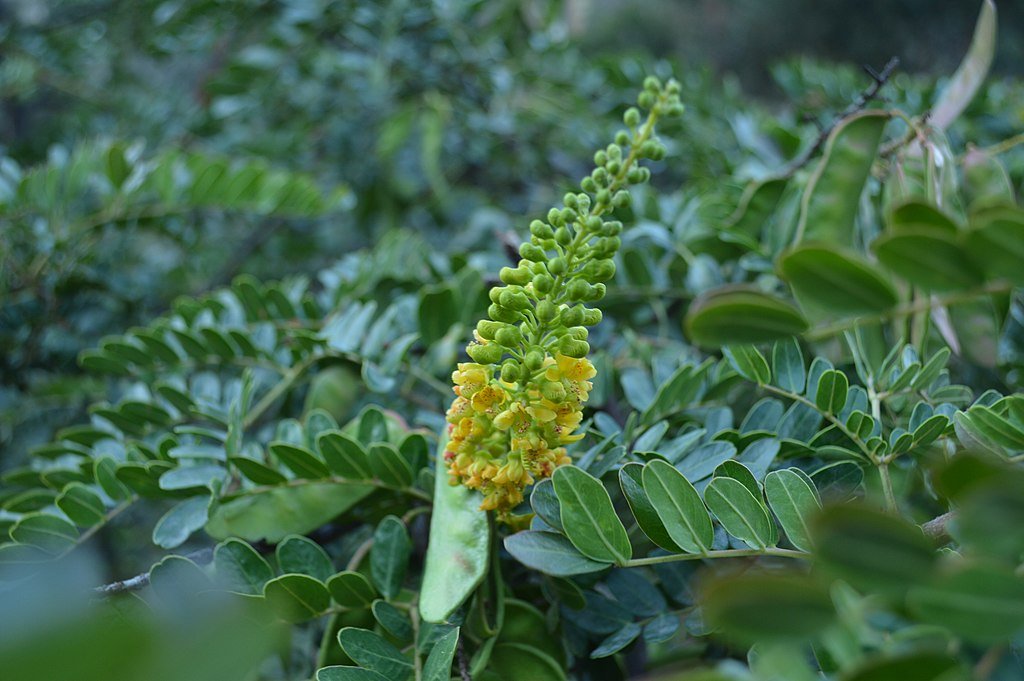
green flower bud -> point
(594, 223)
(533, 253)
(568, 215)
(579, 332)
(578, 290)
(555, 217)
(584, 202)
(634, 175)
(570, 200)
(571, 316)
(604, 196)
(509, 336)
(518, 275)
(621, 199)
(612, 228)
(495, 293)
(546, 311)
(534, 360)
(614, 152)
(510, 371)
(542, 283)
(485, 354)
(622, 138)
(587, 184)
(597, 292)
(553, 390)
(514, 300)
(563, 236)
(631, 117)
(591, 316)
(503, 314)
(675, 109)
(541, 230)
(646, 100)
(601, 270)
(557, 266)
(672, 86)
(645, 174)
(614, 167)
(570, 347)
(487, 329)
(600, 158)
(652, 84)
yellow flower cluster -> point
(504, 436)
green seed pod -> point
(546, 311)
(631, 117)
(542, 283)
(578, 289)
(577, 349)
(563, 236)
(557, 266)
(517, 275)
(553, 390)
(591, 316)
(534, 360)
(571, 316)
(510, 371)
(533, 253)
(579, 332)
(541, 230)
(485, 354)
(509, 336)
(487, 329)
(621, 199)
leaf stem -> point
(831, 418)
(725, 553)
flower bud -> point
(579, 332)
(563, 236)
(597, 292)
(587, 184)
(510, 371)
(577, 349)
(555, 217)
(534, 360)
(502, 314)
(553, 390)
(485, 354)
(546, 311)
(487, 328)
(542, 283)
(622, 138)
(570, 200)
(516, 275)
(541, 230)
(604, 196)
(631, 117)
(601, 270)
(613, 228)
(652, 84)
(557, 266)
(600, 176)
(578, 289)
(621, 199)
(614, 152)
(571, 316)
(600, 158)
(514, 300)
(532, 253)
(509, 336)
(568, 215)
(591, 316)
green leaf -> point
(588, 516)
(983, 421)
(299, 460)
(913, 666)
(631, 482)
(351, 590)
(439, 663)
(178, 524)
(831, 200)
(340, 673)
(544, 503)
(458, 549)
(755, 608)
(370, 650)
(737, 315)
(982, 603)
(550, 553)
(392, 620)
(748, 363)
(872, 550)
(300, 555)
(438, 310)
(836, 282)
(344, 455)
(83, 506)
(389, 557)
(788, 366)
(971, 73)
(739, 472)
(240, 568)
(520, 662)
(257, 471)
(928, 258)
(756, 207)
(741, 514)
(272, 514)
(679, 506)
(617, 641)
(794, 501)
(389, 465)
(833, 387)
(296, 598)
(44, 531)
(996, 242)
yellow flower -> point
(469, 378)
(486, 397)
(575, 369)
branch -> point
(859, 104)
(201, 557)
(938, 528)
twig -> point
(463, 661)
(141, 581)
(879, 79)
(938, 528)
